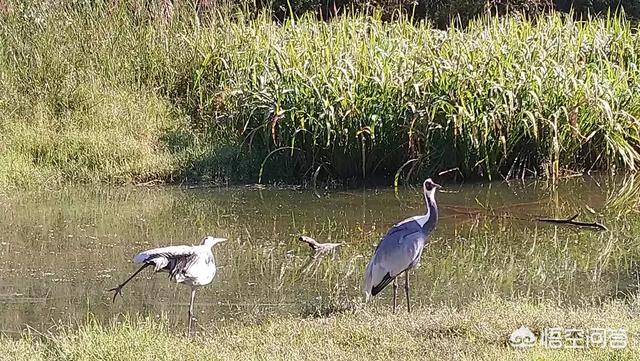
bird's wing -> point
(179, 266)
(174, 259)
(151, 254)
(398, 250)
(412, 224)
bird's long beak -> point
(221, 240)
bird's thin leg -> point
(395, 295)
(406, 289)
(193, 297)
(118, 290)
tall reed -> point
(93, 92)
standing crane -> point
(401, 248)
(191, 265)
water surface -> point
(60, 250)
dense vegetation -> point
(441, 12)
(117, 94)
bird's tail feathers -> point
(380, 286)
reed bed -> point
(96, 93)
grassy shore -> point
(479, 331)
(96, 93)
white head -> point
(429, 187)
(210, 241)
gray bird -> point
(190, 265)
(401, 248)
(319, 248)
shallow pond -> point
(60, 250)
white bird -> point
(190, 265)
(401, 248)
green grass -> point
(479, 331)
(119, 95)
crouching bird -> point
(190, 265)
(401, 248)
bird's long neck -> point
(432, 212)
(311, 242)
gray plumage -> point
(191, 265)
(401, 248)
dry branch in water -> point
(319, 248)
(473, 212)
(572, 222)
